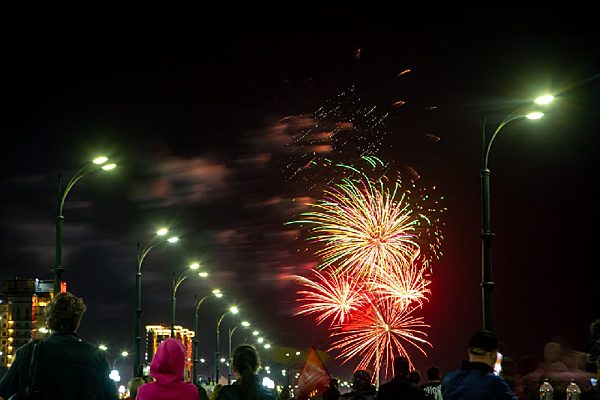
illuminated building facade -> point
(22, 314)
(155, 334)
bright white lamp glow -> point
(535, 115)
(162, 231)
(234, 310)
(108, 167)
(245, 323)
(202, 274)
(194, 266)
(173, 239)
(545, 99)
(100, 160)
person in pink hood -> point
(167, 370)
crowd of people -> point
(65, 367)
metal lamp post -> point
(98, 163)
(231, 330)
(487, 283)
(233, 310)
(217, 293)
(141, 255)
(177, 280)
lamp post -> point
(161, 237)
(98, 163)
(177, 280)
(122, 355)
(231, 330)
(217, 293)
(233, 310)
(487, 283)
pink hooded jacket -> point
(167, 369)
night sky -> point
(200, 117)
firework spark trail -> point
(405, 288)
(364, 229)
(330, 296)
(379, 334)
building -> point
(22, 314)
(155, 334)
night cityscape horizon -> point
(226, 135)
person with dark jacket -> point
(400, 387)
(362, 389)
(246, 364)
(476, 380)
(67, 368)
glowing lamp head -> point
(534, 115)
(173, 239)
(203, 274)
(545, 99)
(233, 310)
(108, 167)
(103, 347)
(124, 354)
(297, 353)
(267, 346)
(260, 340)
(255, 333)
(195, 266)
(245, 323)
(100, 160)
(162, 231)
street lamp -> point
(245, 324)
(160, 237)
(217, 293)
(122, 355)
(487, 283)
(177, 280)
(233, 310)
(98, 163)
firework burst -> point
(379, 334)
(405, 288)
(330, 296)
(364, 228)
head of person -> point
(246, 364)
(64, 312)
(134, 384)
(483, 347)
(552, 352)
(168, 362)
(361, 380)
(401, 366)
(433, 374)
(414, 376)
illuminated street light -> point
(487, 284)
(216, 293)
(245, 324)
(232, 310)
(103, 347)
(158, 239)
(94, 165)
(178, 280)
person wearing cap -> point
(67, 367)
(362, 389)
(400, 387)
(476, 380)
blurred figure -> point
(284, 394)
(333, 391)
(246, 364)
(134, 384)
(476, 379)
(362, 389)
(68, 368)
(593, 347)
(400, 387)
(414, 376)
(167, 369)
(433, 387)
(202, 392)
(551, 363)
(215, 391)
